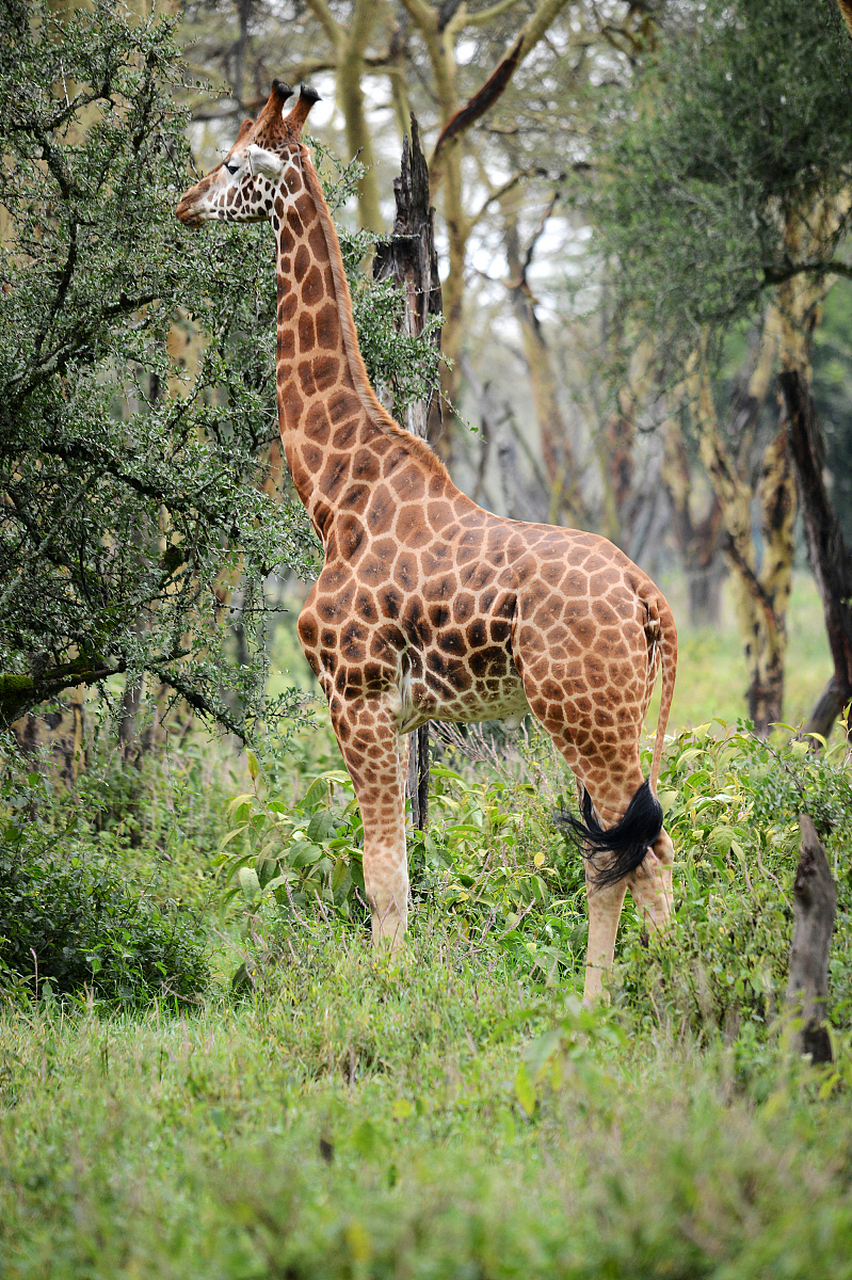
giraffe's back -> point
(456, 611)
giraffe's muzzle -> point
(187, 213)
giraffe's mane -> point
(415, 447)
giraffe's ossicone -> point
(429, 607)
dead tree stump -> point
(410, 259)
(814, 909)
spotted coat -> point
(429, 607)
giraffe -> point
(429, 607)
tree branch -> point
(778, 275)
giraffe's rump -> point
(629, 840)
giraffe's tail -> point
(662, 637)
(628, 841)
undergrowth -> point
(436, 1117)
(451, 1112)
(494, 865)
(95, 902)
(733, 803)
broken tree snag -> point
(410, 259)
(814, 909)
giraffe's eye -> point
(232, 168)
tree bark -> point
(350, 43)
(777, 496)
(761, 593)
(814, 909)
(411, 260)
(698, 536)
(563, 495)
(828, 554)
(441, 27)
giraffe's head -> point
(244, 186)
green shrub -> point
(160, 813)
(491, 861)
(495, 867)
(71, 920)
(295, 854)
(732, 805)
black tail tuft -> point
(629, 840)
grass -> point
(355, 1119)
(453, 1114)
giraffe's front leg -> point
(373, 751)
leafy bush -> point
(70, 920)
(493, 864)
(162, 817)
(491, 860)
(733, 803)
(296, 855)
(159, 487)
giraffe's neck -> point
(334, 430)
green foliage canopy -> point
(130, 488)
(127, 487)
(735, 123)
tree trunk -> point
(698, 536)
(59, 732)
(441, 26)
(828, 554)
(563, 496)
(814, 909)
(411, 260)
(761, 593)
(129, 741)
(350, 42)
(777, 496)
(417, 776)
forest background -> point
(642, 224)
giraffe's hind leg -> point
(650, 884)
(374, 755)
(589, 685)
(626, 845)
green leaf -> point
(366, 1138)
(525, 1089)
(249, 884)
(237, 802)
(339, 872)
(538, 1053)
(230, 835)
(321, 826)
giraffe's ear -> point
(266, 163)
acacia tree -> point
(125, 486)
(724, 191)
(496, 88)
(138, 488)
